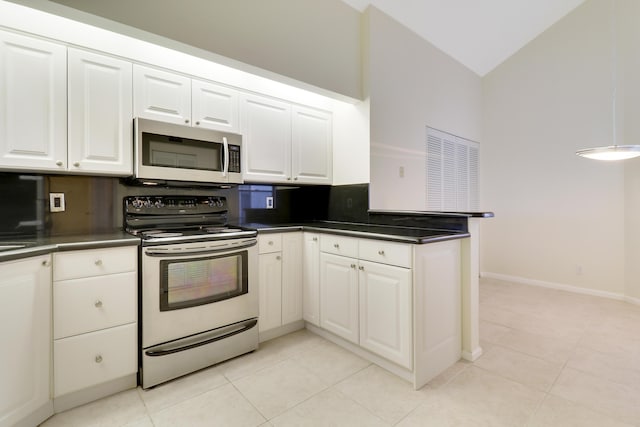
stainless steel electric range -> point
(198, 284)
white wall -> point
(411, 84)
(559, 219)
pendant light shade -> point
(612, 152)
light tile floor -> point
(551, 358)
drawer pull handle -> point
(380, 252)
(335, 245)
(98, 359)
(98, 262)
(98, 304)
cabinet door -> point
(339, 296)
(312, 154)
(25, 353)
(291, 277)
(270, 291)
(214, 107)
(311, 278)
(33, 103)
(159, 95)
(100, 114)
(385, 311)
(266, 147)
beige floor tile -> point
(275, 389)
(329, 408)
(449, 374)
(248, 364)
(116, 410)
(384, 394)
(296, 342)
(141, 422)
(331, 362)
(528, 370)
(601, 395)
(492, 332)
(180, 389)
(552, 349)
(490, 398)
(223, 406)
(622, 369)
(558, 412)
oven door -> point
(189, 288)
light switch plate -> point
(56, 202)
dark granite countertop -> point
(369, 231)
(26, 246)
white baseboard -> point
(560, 286)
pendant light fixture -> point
(612, 152)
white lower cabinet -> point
(280, 279)
(385, 311)
(98, 286)
(25, 353)
(339, 296)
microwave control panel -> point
(234, 158)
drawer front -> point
(94, 262)
(339, 245)
(93, 303)
(91, 359)
(391, 253)
(270, 243)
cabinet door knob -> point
(59, 163)
(288, 178)
(315, 239)
(98, 359)
(278, 257)
(76, 164)
(380, 252)
(295, 178)
(197, 123)
(98, 304)
(335, 245)
(46, 263)
(271, 242)
(98, 262)
(361, 268)
(353, 266)
(186, 121)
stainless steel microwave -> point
(169, 152)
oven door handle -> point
(228, 332)
(197, 251)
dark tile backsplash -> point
(94, 205)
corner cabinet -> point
(280, 281)
(100, 114)
(33, 103)
(285, 143)
(25, 354)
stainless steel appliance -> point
(198, 293)
(169, 152)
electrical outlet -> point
(269, 202)
(56, 202)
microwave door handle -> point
(225, 168)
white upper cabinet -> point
(285, 143)
(160, 95)
(174, 98)
(214, 107)
(33, 108)
(100, 114)
(266, 129)
(312, 154)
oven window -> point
(197, 281)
